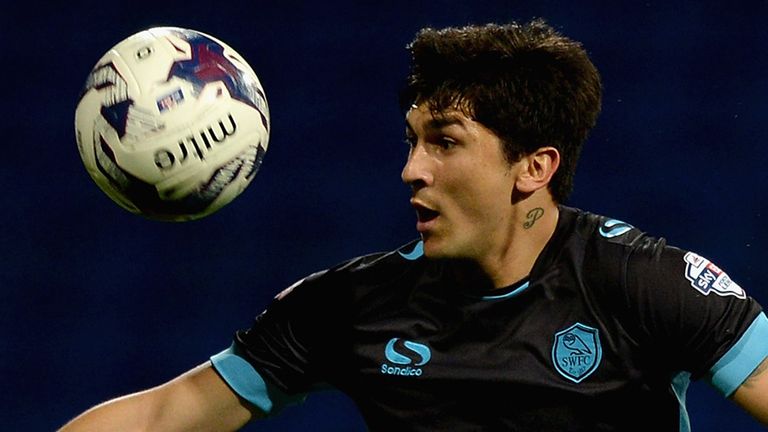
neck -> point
(534, 224)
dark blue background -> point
(96, 302)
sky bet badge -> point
(709, 278)
(577, 352)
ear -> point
(537, 169)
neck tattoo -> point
(533, 216)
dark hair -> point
(527, 83)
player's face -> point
(462, 185)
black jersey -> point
(604, 335)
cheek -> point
(483, 198)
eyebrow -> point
(442, 121)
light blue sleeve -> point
(244, 380)
(741, 360)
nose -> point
(416, 172)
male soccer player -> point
(512, 311)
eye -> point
(446, 142)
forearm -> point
(196, 401)
(127, 414)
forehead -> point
(421, 117)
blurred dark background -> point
(96, 302)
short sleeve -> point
(246, 381)
(292, 343)
(741, 359)
(691, 316)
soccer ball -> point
(172, 124)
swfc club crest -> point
(576, 352)
(707, 277)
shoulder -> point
(606, 239)
(601, 229)
(606, 247)
(373, 269)
(631, 256)
(403, 257)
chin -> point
(431, 249)
(436, 249)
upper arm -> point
(705, 316)
(752, 394)
(742, 373)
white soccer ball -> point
(172, 124)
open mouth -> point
(424, 214)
